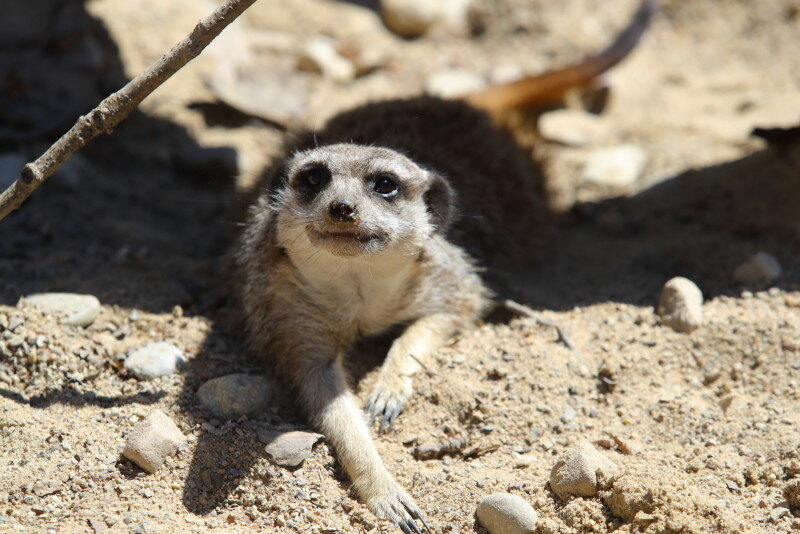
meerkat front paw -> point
(387, 400)
(396, 506)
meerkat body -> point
(398, 213)
(350, 239)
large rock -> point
(575, 472)
(288, 449)
(233, 396)
(155, 359)
(504, 513)
(152, 440)
(681, 305)
(71, 309)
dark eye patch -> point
(311, 179)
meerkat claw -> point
(386, 407)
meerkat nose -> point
(343, 211)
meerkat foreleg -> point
(334, 411)
(409, 352)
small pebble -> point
(153, 360)
(233, 396)
(572, 127)
(152, 440)
(575, 472)
(504, 513)
(681, 305)
(288, 449)
(568, 415)
(71, 309)
(453, 83)
(615, 167)
(760, 269)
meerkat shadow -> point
(700, 224)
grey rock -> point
(504, 513)
(762, 268)
(288, 449)
(71, 309)
(152, 440)
(233, 396)
(575, 472)
(614, 167)
(681, 305)
(155, 359)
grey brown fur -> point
(317, 277)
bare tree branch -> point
(116, 107)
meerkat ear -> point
(440, 200)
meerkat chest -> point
(365, 296)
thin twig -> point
(521, 309)
(116, 107)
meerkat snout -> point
(343, 212)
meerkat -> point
(395, 213)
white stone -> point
(761, 268)
(70, 308)
(504, 513)
(453, 83)
(575, 472)
(320, 55)
(233, 396)
(572, 127)
(617, 167)
(153, 440)
(155, 359)
(681, 305)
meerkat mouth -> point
(342, 236)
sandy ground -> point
(707, 424)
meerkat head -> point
(355, 200)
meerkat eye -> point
(386, 185)
(313, 177)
